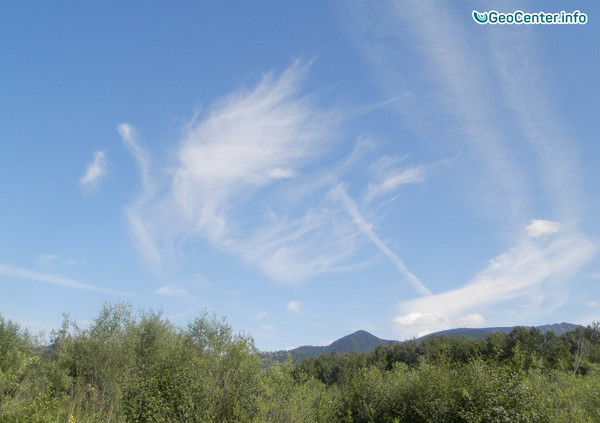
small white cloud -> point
(293, 307)
(421, 324)
(418, 319)
(95, 171)
(169, 291)
(593, 304)
(539, 227)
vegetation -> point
(482, 333)
(130, 367)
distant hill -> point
(362, 341)
(481, 333)
(359, 341)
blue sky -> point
(305, 169)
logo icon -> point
(480, 18)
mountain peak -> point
(359, 341)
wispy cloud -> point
(365, 227)
(390, 176)
(518, 273)
(45, 258)
(95, 171)
(292, 250)
(139, 226)
(169, 291)
(248, 141)
(453, 84)
(523, 88)
(231, 170)
(20, 273)
(129, 136)
(293, 307)
(461, 80)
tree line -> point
(138, 367)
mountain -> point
(482, 333)
(362, 341)
(359, 341)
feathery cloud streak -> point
(95, 171)
(518, 273)
(389, 177)
(452, 82)
(136, 212)
(466, 86)
(240, 182)
(20, 273)
(523, 90)
(352, 209)
(249, 141)
(169, 291)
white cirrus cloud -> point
(248, 141)
(394, 179)
(95, 171)
(519, 273)
(464, 86)
(20, 273)
(366, 228)
(138, 225)
(238, 182)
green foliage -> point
(140, 368)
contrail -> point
(366, 228)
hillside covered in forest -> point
(362, 341)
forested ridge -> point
(138, 367)
(359, 341)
